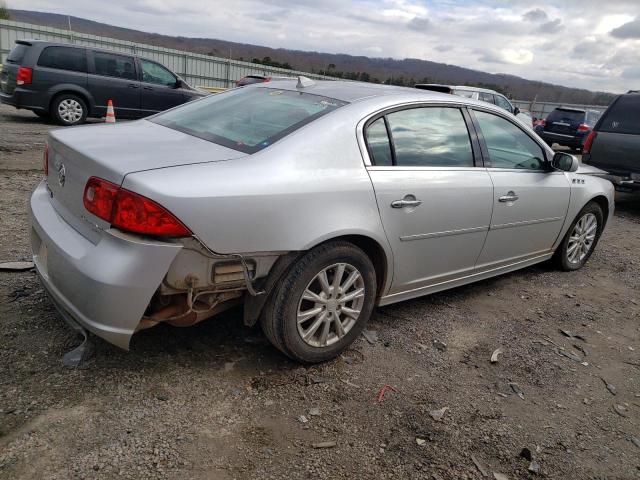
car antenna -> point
(304, 82)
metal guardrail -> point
(196, 69)
(541, 110)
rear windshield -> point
(247, 119)
(568, 116)
(17, 54)
(592, 117)
(623, 116)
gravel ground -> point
(215, 401)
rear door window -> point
(486, 97)
(464, 93)
(111, 65)
(623, 116)
(17, 54)
(378, 142)
(430, 137)
(64, 58)
(248, 119)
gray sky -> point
(592, 44)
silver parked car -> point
(483, 94)
(308, 203)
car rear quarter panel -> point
(307, 188)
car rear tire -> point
(322, 303)
(68, 109)
(581, 238)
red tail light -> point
(45, 160)
(583, 127)
(24, 76)
(130, 211)
(589, 141)
(267, 79)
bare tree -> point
(4, 11)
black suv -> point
(71, 83)
(614, 143)
(568, 126)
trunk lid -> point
(113, 151)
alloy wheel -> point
(70, 110)
(330, 305)
(582, 238)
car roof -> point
(73, 45)
(352, 91)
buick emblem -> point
(62, 175)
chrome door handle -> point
(405, 203)
(509, 197)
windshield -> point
(248, 119)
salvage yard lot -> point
(217, 401)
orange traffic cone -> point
(111, 116)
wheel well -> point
(602, 201)
(71, 92)
(376, 254)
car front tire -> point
(69, 110)
(581, 239)
(322, 304)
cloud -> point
(419, 24)
(632, 73)
(549, 41)
(552, 26)
(628, 30)
(536, 15)
(506, 56)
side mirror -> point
(565, 162)
(178, 84)
(516, 110)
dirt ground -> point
(216, 401)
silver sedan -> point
(309, 203)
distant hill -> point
(387, 70)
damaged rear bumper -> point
(104, 285)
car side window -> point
(154, 73)
(503, 103)
(64, 58)
(378, 142)
(430, 137)
(486, 97)
(110, 65)
(508, 145)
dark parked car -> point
(614, 143)
(71, 83)
(568, 126)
